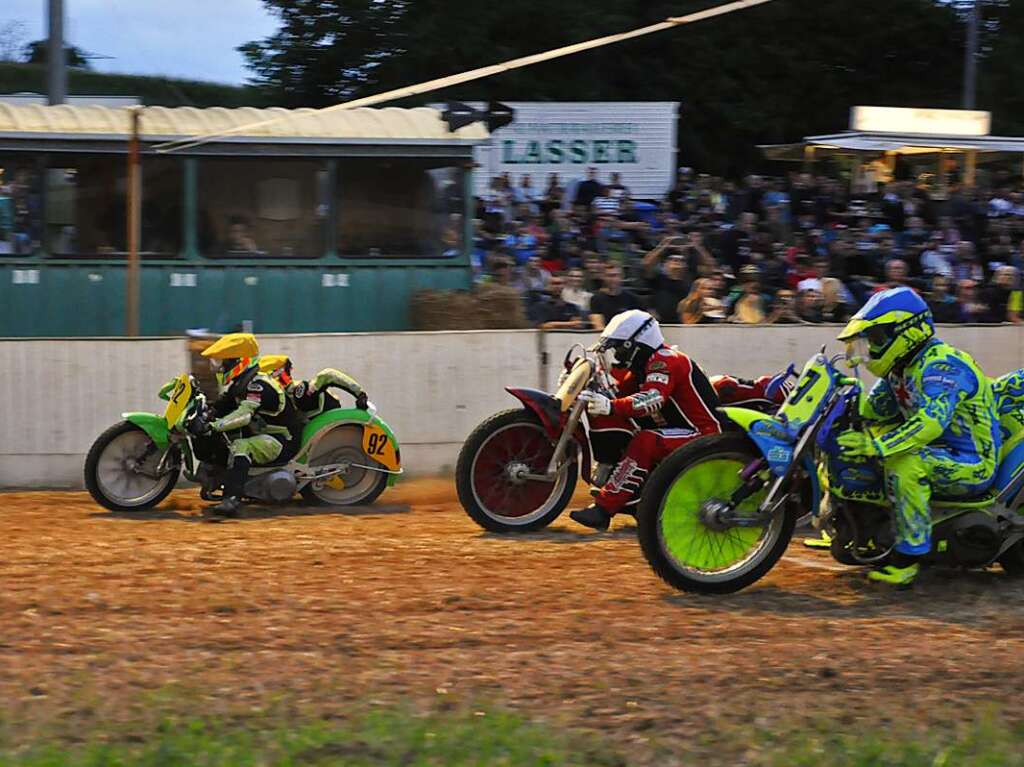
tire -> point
(479, 474)
(704, 463)
(362, 486)
(1012, 560)
(101, 470)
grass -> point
(388, 737)
(455, 739)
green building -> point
(293, 220)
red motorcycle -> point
(519, 468)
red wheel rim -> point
(495, 489)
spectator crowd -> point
(800, 249)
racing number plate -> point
(379, 446)
(180, 397)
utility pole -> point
(56, 55)
(971, 55)
(134, 204)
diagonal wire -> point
(474, 74)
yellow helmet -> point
(232, 355)
(233, 346)
(271, 362)
(279, 366)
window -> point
(86, 198)
(399, 207)
(20, 206)
(272, 208)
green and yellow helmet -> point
(232, 355)
(890, 327)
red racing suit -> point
(673, 403)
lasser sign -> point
(554, 151)
(635, 139)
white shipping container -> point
(636, 139)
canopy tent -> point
(246, 125)
(907, 143)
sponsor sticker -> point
(658, 378)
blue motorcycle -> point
(717, 514)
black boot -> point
(593, 516)
(234, 485)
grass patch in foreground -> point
(988, 742)
(396, 737)
(381, 738)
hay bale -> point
(486, 307)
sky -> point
(194, 39)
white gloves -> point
(597, 403)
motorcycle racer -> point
(312, 397)
(254, 408)
(664, 401)
(945, 437)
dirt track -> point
(410, 600)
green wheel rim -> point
(685, 537)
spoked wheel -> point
(352, 487)
(491, 481)
(681, 545)
(120, 470)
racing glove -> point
(597, 403)
(859, 443)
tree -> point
(772, 74)
(37, 52)
(326, 50)
(12, 40)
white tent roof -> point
(909, 143)
(160, 123)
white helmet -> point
(633, 337)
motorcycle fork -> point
(557, 462)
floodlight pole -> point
(971, 55)
(134, 226)
(56, 55)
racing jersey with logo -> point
(261, 404)
(940, 398)
(672, 393)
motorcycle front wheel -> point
(679, 547)
(120, 470)
(486, 476)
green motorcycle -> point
(718, 513)
(347, 457)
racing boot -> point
(823, 541)
(228, 507)
(234, 484)
(593, 516)
(900, 572)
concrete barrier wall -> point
(56, 396)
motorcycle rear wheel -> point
(357, 487)
(112, 483)
(679, 547)
(490, 495)
(1012, 560)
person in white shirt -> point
(604, 204)
(573, 293)
(937, 257)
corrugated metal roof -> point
(165, 122)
